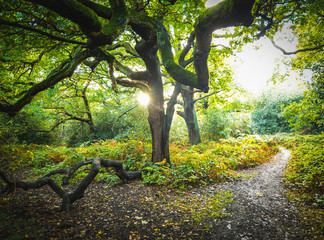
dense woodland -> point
(144, 89)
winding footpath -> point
(260, 211)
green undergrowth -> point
(305, 179)
(210, 162)
(191, 165)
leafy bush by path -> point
(305, 171)
(210, 162)
(191, 165)
(304, 177)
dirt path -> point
(136, 211)
(260, 210)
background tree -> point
(307, 116)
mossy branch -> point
(154, 32)
(228, 13)
(84, 13)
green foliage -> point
(210, 162)
(305, 171)
(267, 117)
(74, 133)
(191, 165)
(121, 122)
(308, 114)
(26, 127)
(304, 177)
(218, 124)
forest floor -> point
(255, 208)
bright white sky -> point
(255, 65)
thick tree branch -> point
(177, 72)
(153, 32)
(129, 49)
(133, 83)
(186, 49)
(74, 11)
(228, 13)
(181, 114)
(98, 32)
(100, 10)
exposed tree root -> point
(78, 193)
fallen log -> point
(78, 193)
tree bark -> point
(229, 13)
(190, 116)
(78, 193)
(156, 117)
(170, 112)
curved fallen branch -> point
(78, 193)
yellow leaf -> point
(162, 162)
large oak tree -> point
(46, 41)
(88, 30)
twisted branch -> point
(78, 193)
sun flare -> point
(143, 99)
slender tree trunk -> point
(87, 106)
(190, 115)
(169, 117)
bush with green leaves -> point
(218, 124)
(304, 179)
(305, 170)
(191, 165)
(307, 116)
(25, 127)
(209, 162)
(267, 116)
(110, 122)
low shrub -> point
(210, 162)
(191, 165)
(305, 171)
(304, 178)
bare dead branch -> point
(208, 95)
(319, 47)
(61, 39)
